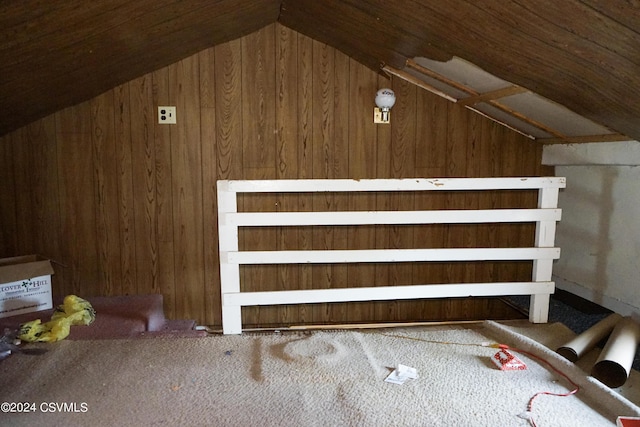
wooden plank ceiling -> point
(581, 54)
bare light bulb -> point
(385, 99)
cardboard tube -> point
(577, 347)
(614, 364)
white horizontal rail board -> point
(390, 217)
(230, 221)
(389, 255)
(378, 293)
(407, 184)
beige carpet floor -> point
(321, 378)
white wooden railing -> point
(542, 254)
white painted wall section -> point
(600, 232)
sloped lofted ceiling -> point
(582, 54)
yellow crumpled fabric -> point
(73, 311)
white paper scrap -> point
(401, 374)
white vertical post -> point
(542, 268)
(229, 273)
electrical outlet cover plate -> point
(167, 115)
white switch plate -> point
(167, 115)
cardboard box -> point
(25, 285)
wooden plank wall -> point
(126, 206)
